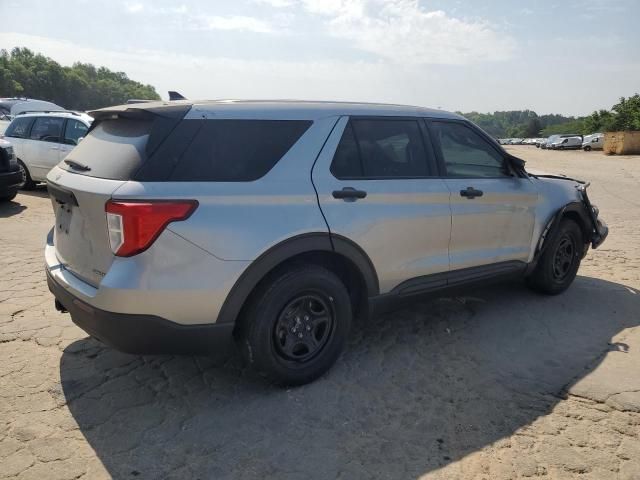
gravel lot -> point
(500, 384)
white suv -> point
(42, 139)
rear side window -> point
(19, 128)
(237, 150)
(47, 129)
(381, 148)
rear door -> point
(43, 146)
(493, 211)
(377, 186)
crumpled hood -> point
(546, 175)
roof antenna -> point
(175, 96)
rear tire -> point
(27, 183)
(559, 263)
(8, 198)
(296, 325)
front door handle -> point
(471, 192)
(349, 194)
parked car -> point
(554, 138)
(182, 225)
(41, 139)
(9, 173)
(11, 107)
(593, 142)
(567, 143)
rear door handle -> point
(349, 194)
(471, 192)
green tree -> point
(627, 114)
(79, 87)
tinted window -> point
(346, 161)
(74, 131)
(113, 149)
(19, 128)
(47, 129)
(381, 149)
(466, 153)
(237, 150)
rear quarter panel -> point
(241, 220)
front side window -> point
(381, 148)
(74, 131)
(465, 153)
(47, 129)
(19, 128)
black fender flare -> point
(287, 249)
(576, 208)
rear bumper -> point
(9, 182)
(142, 334)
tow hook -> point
(60, 307)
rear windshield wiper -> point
(77, 165)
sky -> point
(551, 56)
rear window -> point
(114, 149)
(236, 150)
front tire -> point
(296, 325)
(27, 183)
(587, 148)
(559, 263)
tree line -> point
(82, 86)
(624, 115)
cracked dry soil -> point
(498, 384)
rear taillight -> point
(133, 226)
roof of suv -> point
(288, 108)
(61, 113)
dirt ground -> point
(499, 384)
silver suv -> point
(182, 225)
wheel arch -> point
(575, 211)
(337, 253)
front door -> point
(377, 186)
(493, 211)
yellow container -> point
(622, 143)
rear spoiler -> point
(173, 110)
(164, 116)
(173, 96)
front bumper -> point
(9, 182)
(142, 334)
(600, 233)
